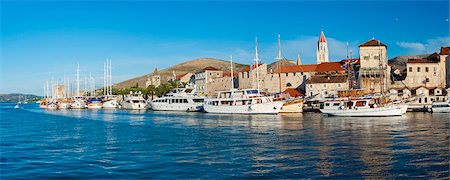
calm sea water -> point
(121, 144)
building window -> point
(426, 69)
(324, 85)
(418, 69)
(410, 69)
(376, 57)
(311, 86)
(339, 85)
(434, 69)
(287, 74)
(288, 85)
(294, 73)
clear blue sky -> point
(41, 40)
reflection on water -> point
(143, 144)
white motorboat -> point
(134, 101)
(360, 107)
(178, 99)
(78, 102)
(246, 101)
(94, 103)
(64, 104)
(441, 107)
(110, 102)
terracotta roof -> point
(373, 42)
(293, 92)
(299, 68)
(445, 51)
(322, 37)
(327, 79)
(329, 66)
(181, 75)
(247, 68)
(210, 68)
(228, 74)
(421, 61)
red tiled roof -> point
(228, 74)
(327, 79)
(373, 42)
(293, 92)
(246, 69)
(445, 51)
(329, 66)
(322, 37)
(299, 68)
(210, 68)
(421, 61)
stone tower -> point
(322, 49)
(374, 70)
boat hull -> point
(134, 106)
(292, 107)
(440, 110)
(78, 104)
(176, 107)
(369, 112)
(263, 108)
(111, 104)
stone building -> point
(422, 72)
(444, 66)
(326, 86)
(291, 77)
(374, 72)
(153, 79)
(202, 78)
(248, 77)
(224, 83)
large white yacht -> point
(178, 99)
(134, 101)
(246, 101)
(361, 107)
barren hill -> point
(189, 66)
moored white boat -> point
(52, 104)
(110, 102)
(441, 107)
(78, 103)
(246, 101)
(134, 101)
(178, 99)
(361, 107)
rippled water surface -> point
(38, 143)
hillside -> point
(15, 97)
(399, 62)
(284, 62)
(189, 66)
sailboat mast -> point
(78, 80)
(110, 77)
(104, 78)
(279, 61)
(231, 64)
(257, 62)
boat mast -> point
(231, 64)
(257, 63)
(104, 78)
(110, 77)
(381, 70)
(279, 61)
(78, 80)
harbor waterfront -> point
(117, 143)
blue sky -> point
(45, 39)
